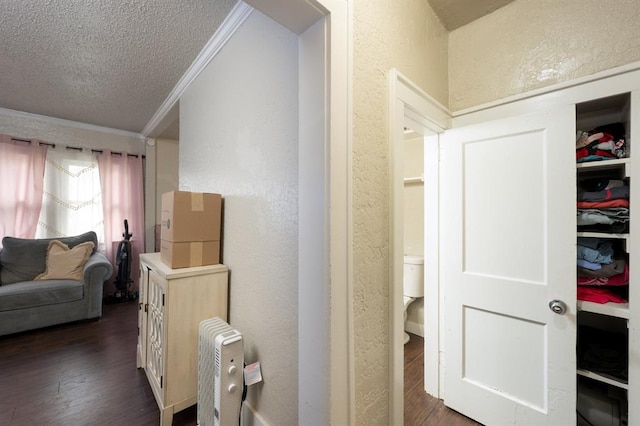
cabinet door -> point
(156, 331)
(141, 358)
(508, 230)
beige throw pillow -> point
(64, 263)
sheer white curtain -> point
(21, 170)
(72, 199)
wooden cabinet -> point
(172, 304)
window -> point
(72, 199)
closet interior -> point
(603, 178)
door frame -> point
(326, 377)
(332, 400)
(409, 104)
(326, 373)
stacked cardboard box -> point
(190, 232)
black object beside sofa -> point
(38, 288)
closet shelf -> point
(620, 163)
(619, 310)
(603, 379)
(603, 235)
(624, 237)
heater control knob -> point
(232, 370)
(232, 388)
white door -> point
(509, 233)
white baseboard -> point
(250, 417)
(414, 328)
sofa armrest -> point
(97, 270)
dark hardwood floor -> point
(85, 374)
(420, 408)
(78, 374)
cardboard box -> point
(190, 229)
(187, 254)
(190, 216)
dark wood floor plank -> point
(85, 374)
(420, 408)
(73, 374)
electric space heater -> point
(220, 373)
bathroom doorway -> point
(413, 233)
(413, 110)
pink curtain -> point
(121, 180)
(21, 177)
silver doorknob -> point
(558, 306)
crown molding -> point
(69, 123)
(227, 29)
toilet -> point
(413, 282)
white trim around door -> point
(410, 104)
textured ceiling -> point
(113, 62)
(456, 13)
(106, 62)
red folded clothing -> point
(584, 152)
(614, 280)
(598, 295)
(619, 202)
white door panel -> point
(509, 228)
(499, 175)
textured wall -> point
(67, 133)
(414, 197)
(405, 35)
(167, 154)
(238, 137)
(505, 53)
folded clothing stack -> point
(603, 274)
(603, 205)
(602, 143)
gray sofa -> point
(26, 303)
